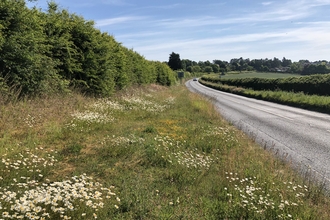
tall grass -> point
(147, 153)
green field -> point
(237, 75)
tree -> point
(275, 63)
(208, 69)
(221, 64)
(174, 61)
(24, 61)
(215, 68)
(286, 62)
(296, 67)
(189, 69)
(196, 69)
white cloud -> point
(290, 43)
(115, 2)
(118, 20)
(266, 3)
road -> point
(299, 136)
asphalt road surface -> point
(299, 136)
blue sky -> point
(212, 29)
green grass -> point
(147, 153)
(269, 75)
(301, 100)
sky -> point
(212, 29)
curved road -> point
(297, 135)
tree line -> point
(303, 67)
(56, 51)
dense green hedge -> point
(54, 51)
(312, 85)
(301, 100)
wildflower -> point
(5, 214)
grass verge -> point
(147, 153)
(301, 100)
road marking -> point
(272, 113)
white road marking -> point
(269, 112)
(272, 113)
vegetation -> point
(252, 74)
(302, 67)
(134, 157)
(55, 51)
(298, 99)
(119, 149)
(311, 85)
(174, 61)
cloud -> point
(285, 29)
(291, 43)
(266, 3)
(118, 20)
(116, 2)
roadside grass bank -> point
(148, 152)
(301, 100)
(253, 74)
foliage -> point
(301, 100)
(208, 69)
(23, 54)
(165, 76)
(174, 61)
(312, 85)
(274, 65)
(52, 51)
(254, 74)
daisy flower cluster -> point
(120, 140)
(31, 120)
(193, 159)
(102, 110)
(26, 162)
(259, 197)
(93, 117)
(138, 103)
(225, 133)
(190, 159)
(106, 104)
(33, 197)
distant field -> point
(236, 75)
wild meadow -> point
(148, 152)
